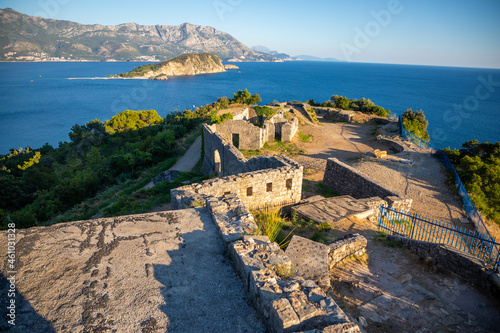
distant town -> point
(41, 56)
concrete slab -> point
(332, 210)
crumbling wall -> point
(277, 180)
(344, 247)
(243, 114)
(251, 137)
(289, 129)
(346, 180)
(220, 157)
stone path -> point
(156, 272)
(187, 162)
(392, 290)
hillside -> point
(188, 64)
(27, 38)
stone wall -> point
(344, 247)
(244, 134)
(289, 129)
(220, 157)
(278, 180)
(458, 262)
(346, 180)
(242, 114)
(286, 304)
(250, 137)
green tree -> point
(244, 97)
(415, 122)
(340, 102)
(132, 120)
(29, 163)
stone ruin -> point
(244, 132)
(346, 180)
(286, 304)
(270, 180)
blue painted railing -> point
(416, 227)
(469, 206)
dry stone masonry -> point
(346, 180)
(287, 304)
(222, 141)
(280, 182)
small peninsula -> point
(187, 64)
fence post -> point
(497, 262)
(382, 207)
(413, 225)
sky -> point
(460, 33)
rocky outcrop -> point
(231, 66)
(188, 64)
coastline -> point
(107, 78)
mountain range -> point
(28, 38)
(284, 56)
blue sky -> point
(439, 32)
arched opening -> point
(217, 163)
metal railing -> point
(470, 208)
(416, 227)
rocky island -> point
(187, 64)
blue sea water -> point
(38, 103)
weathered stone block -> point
(166, 176)
(345, 247)
(282, 317)
(311, 260)
(303, 307)
(342, 328)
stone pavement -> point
(147, 272)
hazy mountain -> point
(263, 49)
(24, 37)
(313, 58)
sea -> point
(40, 102)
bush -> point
(478, 165)
(244, 97)
(132, 120)
(363, 105)
(269, 222)
(220, 119)
(415, 122)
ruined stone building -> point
(246, 131)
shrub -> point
(220, 119)
(415, 122)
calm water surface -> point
(39, 104)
